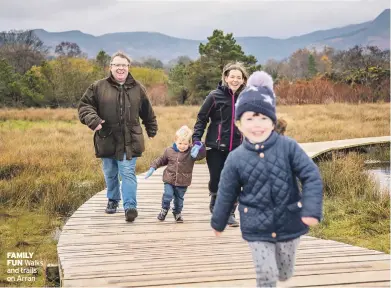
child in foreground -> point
(273, 211)
(180, 159)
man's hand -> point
(99, 126)
(309, 221)
(217, 233)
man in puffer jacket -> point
(264, 168)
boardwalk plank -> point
(110, 271)
(96, 249)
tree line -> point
(359, 74)
(32, 77)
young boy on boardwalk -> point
(179, 158)
(273, 211)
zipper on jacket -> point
(121, 104)
(220, 126)
(176, 172)
(121, 108)
(232, 121)
(218, 133)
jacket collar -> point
(129, 82)
(174, 147)
(226, 90)
(262, 146)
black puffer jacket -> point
(219, 109)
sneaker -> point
(232, 221)
(131, 214)
(162, 215)
(112, 206)
(178, 217)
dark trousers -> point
(215, 160)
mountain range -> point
(165, 48)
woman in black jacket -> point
(222, 136)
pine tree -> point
(312, 70)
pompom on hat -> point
(258, 96)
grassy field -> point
(48, 169)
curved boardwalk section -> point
(97, 249)
(315, 149)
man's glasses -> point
(119, 65)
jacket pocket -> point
(104, 143)
(294, 207)
(221, 144)
(249, 219)
(186, 179)
(137, 139)
(293, 217)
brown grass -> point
(47, 158)
(312, 123)
(48, 168)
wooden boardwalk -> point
(314, 149)
(97, 249)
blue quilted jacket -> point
(270, 203)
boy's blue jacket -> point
(270, 203)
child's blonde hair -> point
(184, 133)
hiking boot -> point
(178, 217)
(212, 201)
(232, 221)
(131, 214)
(112, 206)
(162, 215)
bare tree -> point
(274, 68)
(359, 57)
(298, 63)
(22, 49)
(68, 49)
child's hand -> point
(196, 148)
(150, 172)
(217, 233)
(310, 221)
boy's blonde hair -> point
(184, 133)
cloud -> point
(187, 19)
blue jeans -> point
(126, 169)
(176, 192)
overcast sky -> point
(187, 19)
